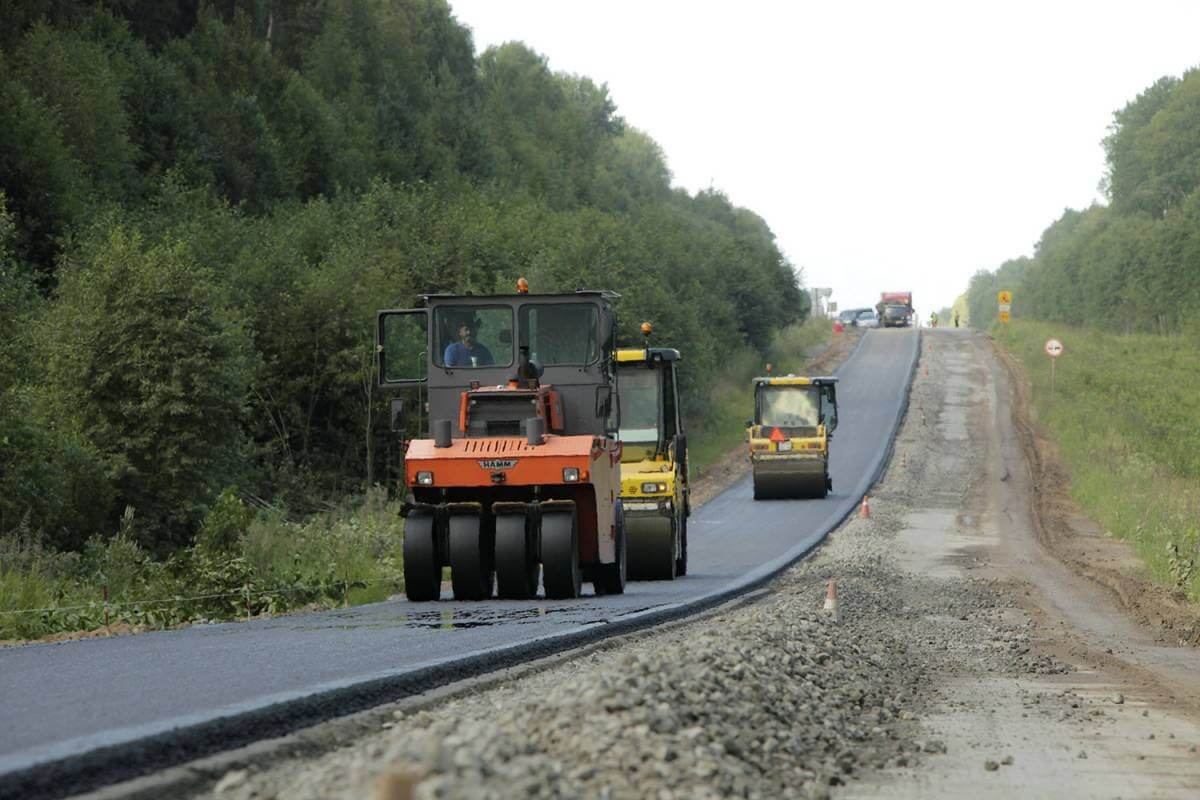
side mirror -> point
(398, 415)
(681, 453)
(749, 423)
(603, 402)
(613, 425)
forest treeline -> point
(1132, 264)
(202, 205)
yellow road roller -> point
(794, 419)
(654, 468)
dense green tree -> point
(208, 201)
(147, 362)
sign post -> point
(1053, 349)
(1004, 299)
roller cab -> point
(794, 420)
(513, 480)
(654, 466)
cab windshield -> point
(473, 336)
(639, 405)
(790, 406)
(558, 334)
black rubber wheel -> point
(517, 568)
(422, 568)
(561, 573)
(681, 562)
(471, 569)
(610, 578)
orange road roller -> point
(517, 479)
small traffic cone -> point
(865, 510)
(831, 600)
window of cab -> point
(470, 337)
(561, 334)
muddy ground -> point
(965, 658)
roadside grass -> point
(1126, 416)
(258, 561)
(732, 400)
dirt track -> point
(968, 660)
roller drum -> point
(790, 480)
(652, 553)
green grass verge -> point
(243, 563)
(1126, 415)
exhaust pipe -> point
(441, 433)
(535, 431)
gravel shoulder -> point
(965, 658)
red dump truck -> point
(895, 309)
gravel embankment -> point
(772, 699)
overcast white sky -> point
(889, 145)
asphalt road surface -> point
(59, 701)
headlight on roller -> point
(425, 478)
(653, 488)
(570, 475)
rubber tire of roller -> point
(471, 570)
(422, 570)
(654, 555)
(517, 567)
(561, 573)
(610, 578)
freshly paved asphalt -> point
(61, 700)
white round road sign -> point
(1054, 348)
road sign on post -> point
(1004, 299)
(1054, 349)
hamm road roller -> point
(794, 419)
(654, 468)
(519, 476)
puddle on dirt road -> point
(940, 542)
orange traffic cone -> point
(831, 600)
(865, 510)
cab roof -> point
(635, 354)
(795, 380)
(604, 294)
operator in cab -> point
(468, 351)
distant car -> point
(849, 315)
(866, 319)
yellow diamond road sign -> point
(1004, 298)
(1005, 316)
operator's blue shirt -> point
(459, 355)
